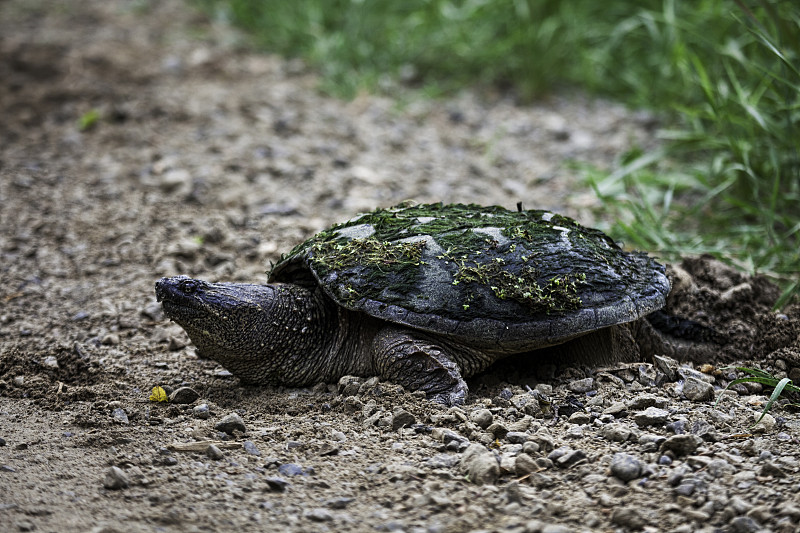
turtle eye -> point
(188, 286)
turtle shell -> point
(498, 279)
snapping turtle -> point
(424, 296)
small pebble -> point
(480, 465)
(230, 423)
(581, 385)
(516, 437)
(116, 479)
(183, 395)
(402, 418)
(250, 447)
(201, 411)
(340, 502)
(744, 524)
(120, 415)
(652, 416)
(214, 453)
(482, 418)
(681, 444)
(318, 515)
(697, 390)
(525, 464)
(291, 469)
(277, 483)
(626, 467)
(570, 458)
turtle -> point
(425, 296)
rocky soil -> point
(138, 141)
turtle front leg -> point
(403, 357)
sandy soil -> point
(210, 160)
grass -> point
(779, 387)
(723, 74)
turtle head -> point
(222, 319)
(260, 333)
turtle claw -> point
(456, 395)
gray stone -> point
(744, 524)
(643, 401)
(250, 447)
(525, 465)
(580, 418)
(230, 423)
(720, 467)
(402, 418)
(628, 517)
(616, 409)
(116, 479)
(318, 515)
(626, 467)
(213, 452)
(276, 483)
(292, 469)
(652, 416)
(201, 411)
(120, 415)
(516, 437)
(480, 465)
(686, 373)
(581, 385)
(766, 424)
(770, 469)
(555, 528)
(668, 366)
(696, 390)
(615, 432)
(498, 430)
(482, 417)
(570, 458)
(681, 444)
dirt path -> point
(202, 158)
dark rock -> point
(626, 467)
(570, 458)
(770, 469)
(250, 447)
(201, 411)
(230, 423)
(681, 444)
(277, 483)
(318, 515)
(291, 469)
(480, 465)
(402, 418)
(214, 453)
(744, 524)
(184, 395)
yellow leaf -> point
(158, 395)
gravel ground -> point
(210, 160)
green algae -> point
(484, 250)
